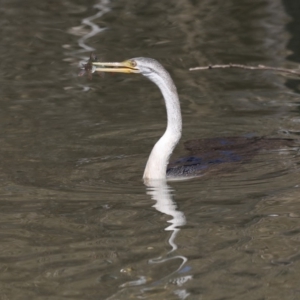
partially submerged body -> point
(221, 153)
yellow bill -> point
(127, 66)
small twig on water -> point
(259, 67)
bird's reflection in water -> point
(162, 194)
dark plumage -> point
(216, 153)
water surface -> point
(77, 221)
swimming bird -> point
(205, 153)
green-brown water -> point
(77, 221)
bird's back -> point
(221, 153)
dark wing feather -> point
(207, 154)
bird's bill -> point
(120, 67)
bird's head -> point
(148, 67)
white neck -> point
(158, 160)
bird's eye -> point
(133, 63)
